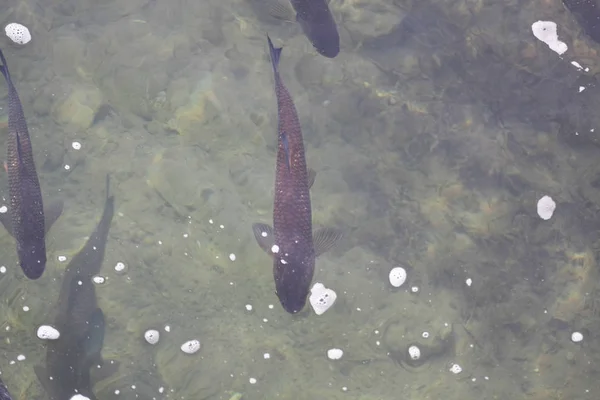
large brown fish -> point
(26, 208)
(291, 241)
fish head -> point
(293, 276)
(322, 33)
(32, 258)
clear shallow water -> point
(432, 139)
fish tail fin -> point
(4, 67)
(275, 54)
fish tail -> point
(275, 54)
(4, 67)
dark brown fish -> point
(77, 352)
(26, 207)
(291, 241)
(318, 25)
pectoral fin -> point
(324, 239)
(264, 236)
(312, 174)
(281, 9)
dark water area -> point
(455, 144)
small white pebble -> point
(161, 389)
(3, 209)
(335, 354)
(167, 328)
(455, 369)
(546, 207)
(344, 389)
(264, 234)
(67, 167)
(425, 335)
(191, 346)
(414, 352)
(249, 307)
(275, 249)
(414, 289)
(117, 391)
(397, 276)
(25, 308)
(266, 356)
(79, 397)
(222, 226)
(62, 258)
(232, 257)
(47, 332)
(3, 269)
(20, 357)
(76, 145)
(98, 280)
(271, 306)
(576, 337)
(120, 267)
(152, 336)
(252, 381)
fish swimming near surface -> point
(314, 18)
(291, 241)
(4, 393)
(28, 224)
(70, 358)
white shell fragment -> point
(547, 33)
(18, 33)
(47, 332)
(546, 207)
(456, 369)
(335, 354)
(397, 276)
(152, 336)
(321, 298)
(191, 346)
(576, 337)
(120, 268)
(414, 352)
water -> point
(434, 133)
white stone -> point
(321, 298)
(98, 280)
(152, 336)
(546, 32)
(397, 276)
(20, 357)
(79, 397)
(576, 337)
(191, 346)
(252, 381)
(18, 33)
(335, 354)
(76, 145)
(546, 207)
(414, 352)
(120, 268)
(455, 369)
(232, 257)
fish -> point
(587, 14)
(4, 393)
(72, 357)
(313, 16)
(291, 241)
(28, 225)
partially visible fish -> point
(587, 14)
(314, 17)
(291, 241)
(26, 207)
(4, 394)
(77, 352)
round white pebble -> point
(20, 357)
(76, 145)
(397, 276)
(576, 337)
(425, 335)
(167, 328)
(249, 307)
(546, 207)
(98, 280)
(321, 298)
(335, 354)
(67, 167)
(266, 356)
(414, 289)
(152, 336)
(62, 258)
(2, 269)
(414, 352)
(232, 257)
(18, 33)
(79, 397)
(47, 332)
(3, 209)
(469, 281)
(191, 346)
(120, 268)
(252, 381)
(455, 369)
(275, 249)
